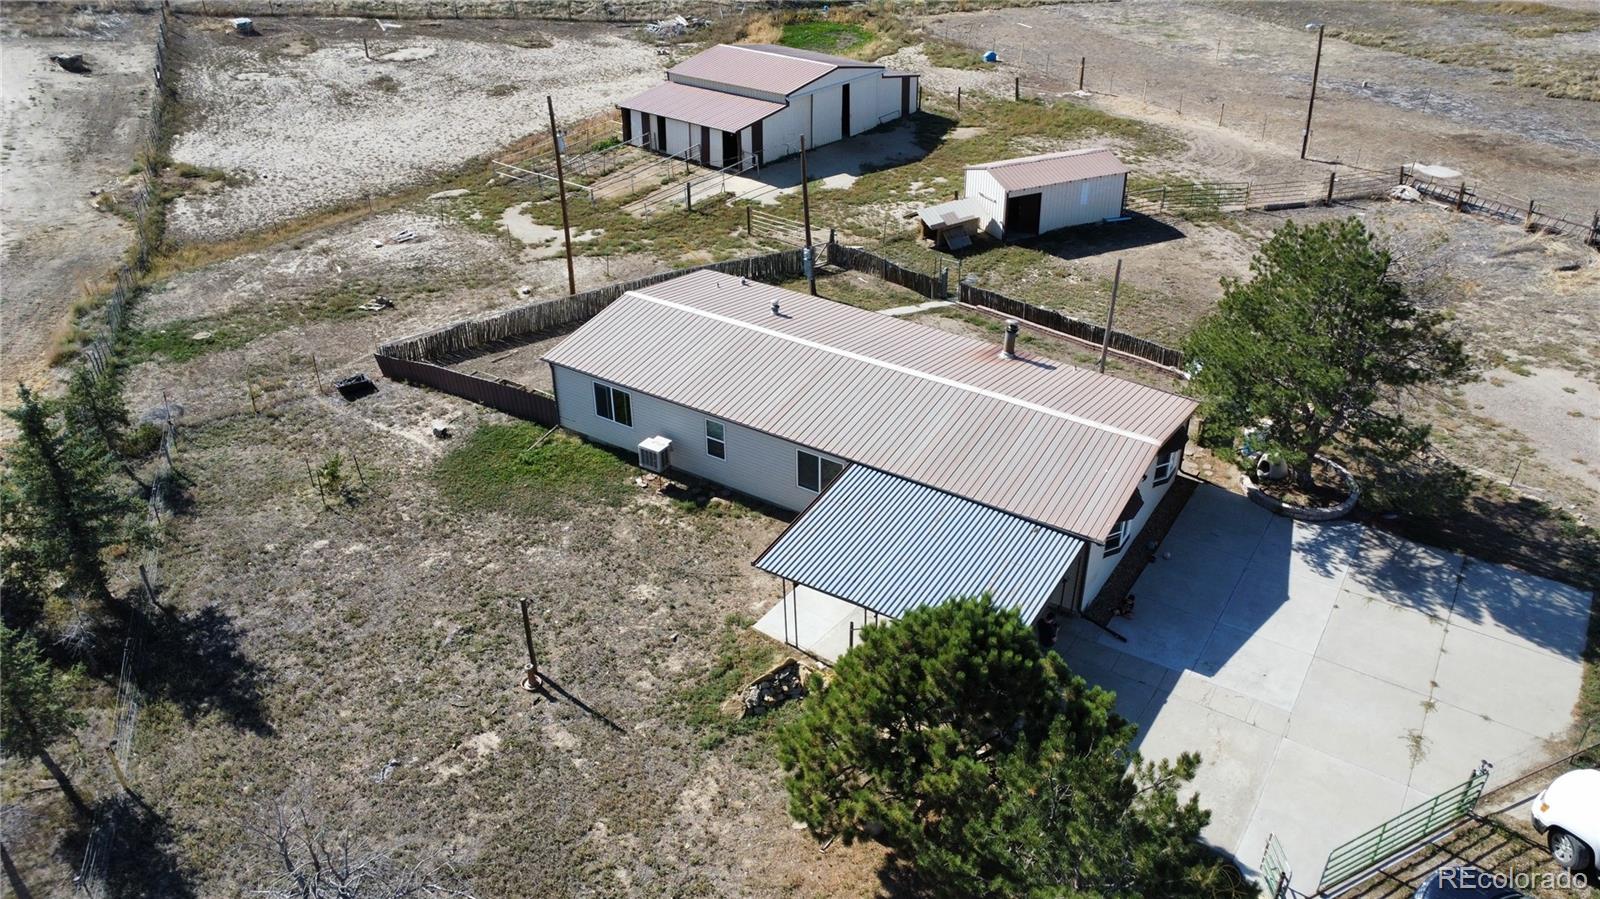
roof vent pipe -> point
(1010, 350)
(774, 307)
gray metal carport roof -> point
(889, 545)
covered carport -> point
(875, 546)
(716, 129)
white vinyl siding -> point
(1100, 563)
(756, 463)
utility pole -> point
(805, 202)
(1111, 316)
(1316, 69)
(561, 185)
(531, 680)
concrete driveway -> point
(1331, 675)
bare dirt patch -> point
(65, 137)
(305, 121)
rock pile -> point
(775, 688)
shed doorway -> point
(1022, 215)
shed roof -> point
(951, 212)
(763, 67)
(1027, 172)
(889, 545)
(715, 109)
(1055, 444)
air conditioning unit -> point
(653, 454)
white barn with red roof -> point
(1031, 195)
(736, 101)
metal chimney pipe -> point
(1010, 350)
(775, 307)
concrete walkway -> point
(1331, 675)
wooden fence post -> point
(1329, 200)
(1083, 65)
(958, 98)
(1461, 196)
(1527, 223)
(748, 230)
(1016, 88)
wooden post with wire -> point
(116, 767)
(561, 185)
(1111, 316)
(1083, 65)
(530, 672)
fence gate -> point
(1403, 831)
(1275, 871)
(764, 224)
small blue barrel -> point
(991, 56)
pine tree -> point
(36, 705)
(66, 510)
(950, 737)
(1317, 347)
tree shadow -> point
(130, 851)
(196, 661)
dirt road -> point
(64, 135)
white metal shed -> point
(1034, 194)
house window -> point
(1165, 466)
(816, 472)
(715, 445)
(613, 404)
(1117, 537)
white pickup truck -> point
(1568, 813)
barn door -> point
(1022, 215)
(905, 96)
(844, 113)
(756, 143)
(730, 147)
(705, 145)
(627, 126)
(661, 134)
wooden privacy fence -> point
(856, 259)
(1093, 334)
(512, 399)
(543, 315)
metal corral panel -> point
(1028, 172)
(890, 545)
(722, 111)
(1042, 440)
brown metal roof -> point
(1045, 441)
(686, 103)
(1028, 172)
(762, 67)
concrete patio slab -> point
(1456, 740)
(1407, 574)
(1287, 610)
(1522, 608)
(1348, 800)
(1235, 758)
(1359, 719)
(1529, 690)
(1196, 578)
(1386, 641)
(1260, 668)
(1161, 632)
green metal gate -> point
(1275, 869)
(1402, 831)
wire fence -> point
(98, 357)
(1064, 71)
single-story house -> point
(737, 100)
(923, 464)
(1034, 194)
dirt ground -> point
(301, 119)
(1375, 108)
(65, 137)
